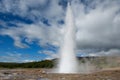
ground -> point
(42, 74)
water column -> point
(68, 61)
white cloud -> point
(35, 32)
(93, 52)
(111, 52)
(28, 60)
(49, 58)
(98, 23)
(99, 27)
(33, 9)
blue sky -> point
(31, 30)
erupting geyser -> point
(68, 61)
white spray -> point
(68, 61)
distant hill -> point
(39, 64)
(97, 61)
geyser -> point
(68, 61)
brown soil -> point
(41, 74)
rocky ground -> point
(42, 74)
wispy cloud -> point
(18, 57)
(11, 57)
(50, 54)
